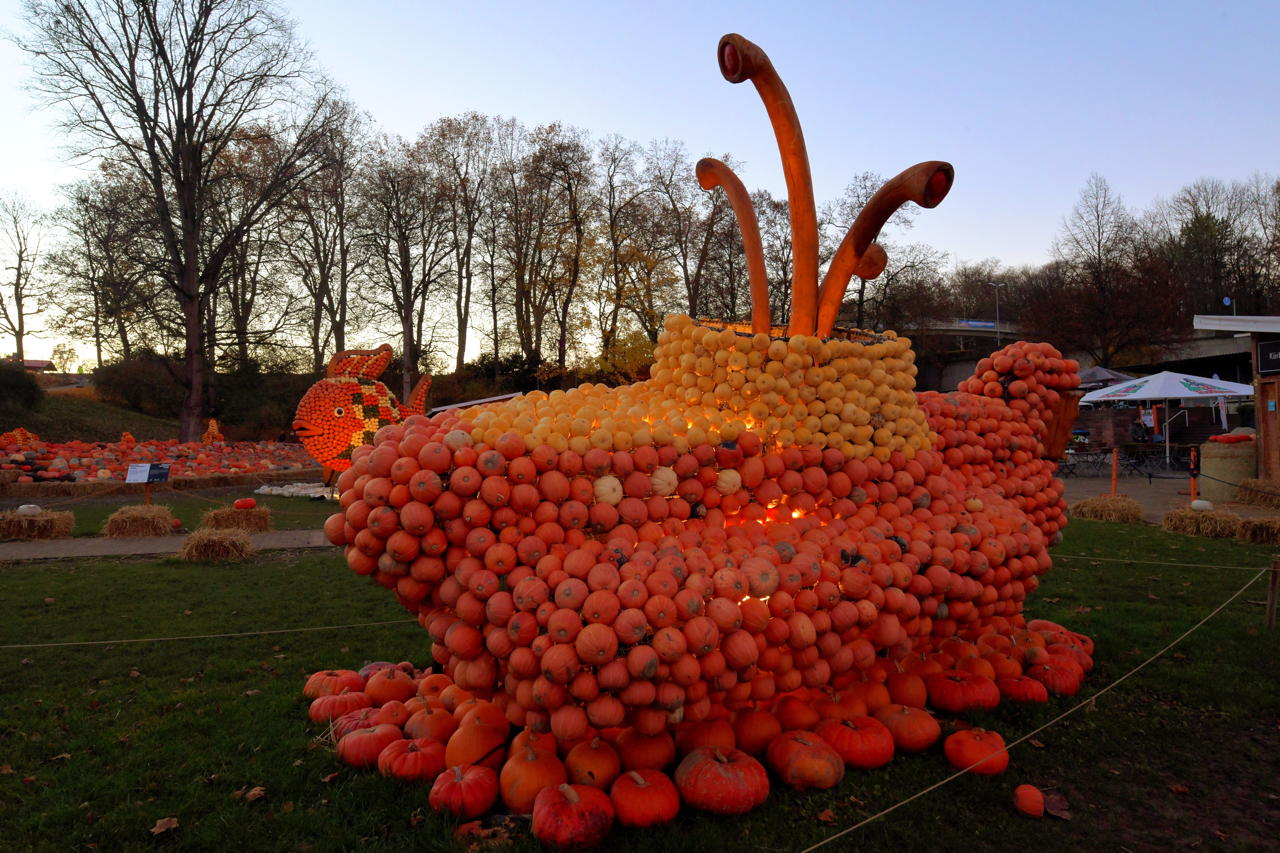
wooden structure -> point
(1264, 337)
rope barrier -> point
(935, 786)
(1156, 562)
(205, 636)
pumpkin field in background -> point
(771, 556)
(80, 461)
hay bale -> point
(1189, 522)
(1259, 493)
(138, 520)
(1108, 508)
(256, 520)
(1260, 531)
(41, 525)
(216, 546)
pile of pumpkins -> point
(39, 461)
(768, 529)
(420, 727)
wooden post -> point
(1115, 468)
(1273, 587)
(1195, 480)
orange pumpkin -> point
(804, 760)
(978, 750)
(525, 774)
(643, 798)
(594, 762)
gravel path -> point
(94, 546)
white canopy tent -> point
(1167, 386)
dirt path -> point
(1157, 496)
(87, 546)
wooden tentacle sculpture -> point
(813, 311)
(742, 60)
(714, 173)
(926, 184)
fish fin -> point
(368, 363)
(417, 402)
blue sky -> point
(1024, 99)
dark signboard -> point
(144, 473)
(1269, 356)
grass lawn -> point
(63, 417)
(98, 743)
(188, 507)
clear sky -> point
(1024, 99)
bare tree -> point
(21, 231)
(836, 219)
(103, 270)
(405, 227)
(164, 88)
(1097, 296)
(691, 215)
(525, 233)
(320, 234)
(562, 161)
(460, 151)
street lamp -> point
(997, 285)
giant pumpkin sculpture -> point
(775, 511)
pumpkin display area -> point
(802, 607)
(773, 551)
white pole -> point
(1166, 435)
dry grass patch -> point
(1262, 531)
(1212, 524)
(1108, 508)
(216, 546)
(1259, 493)
(43, 525)
(256, 520)
(139, 520)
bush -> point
(145, 382)
(252, 406)
(18, 389)
(475, 380)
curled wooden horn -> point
(926, 184)
(742, 60)
(714, 173)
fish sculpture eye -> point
(339, 412)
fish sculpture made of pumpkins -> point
(346, 409)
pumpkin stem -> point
(569, 794)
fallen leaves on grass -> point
(257, 792)
(1179, 788)
(826, 816)
(1056, 804)
(330, 777)
(501, 831)
(164, 824)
